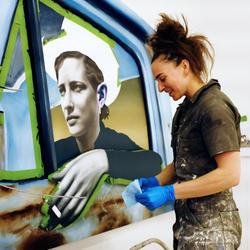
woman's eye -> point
(61, 91)
(78, 87)
(162, 79)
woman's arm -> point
(225, 176)
(166, 176)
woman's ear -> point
(101, 94)
(185, 65)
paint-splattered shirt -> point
(204, 126)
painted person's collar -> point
(211, 83)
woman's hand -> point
(155, 197)
(148, 182)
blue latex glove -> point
(155, 197)
(148, 182)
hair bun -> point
(168, 34)
(172, 42)
(171, 30)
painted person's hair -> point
(94, 74)
(172, 41)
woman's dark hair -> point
(172, 41)
(94, 74)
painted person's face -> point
(170, 78)
(78, 98)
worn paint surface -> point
(20, 216)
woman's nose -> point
(67, 101)
(161, 86)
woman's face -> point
(170, 78)
(78, 98)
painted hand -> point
(155, 197)
(79, 179)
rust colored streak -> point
(41, 240)
(111, 202)
(112, 220)
(6, 191)
(21, 230)
(21, 213)
(107, 204)
(17, 221)
(110, 214)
